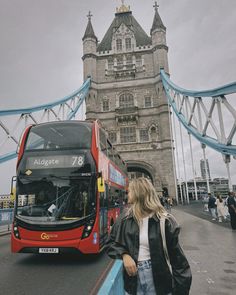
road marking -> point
(195, 262)
(210, 281)
(102, 277)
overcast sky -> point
(41, 50)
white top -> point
(144, 251)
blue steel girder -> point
(205, 122)
(65, 108)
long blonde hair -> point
(144, 199)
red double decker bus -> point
(70, 187)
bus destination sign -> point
(59, 161)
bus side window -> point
(110, 150)
(116, 158)
(104, 198)
(114, 197)
(101, 199)
(111, 197)
(106, 194)
(122, 197)
(103, 141)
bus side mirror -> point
(13, 189)
(101, 185)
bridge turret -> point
(89, 51)
(158, 35)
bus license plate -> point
(49, 250)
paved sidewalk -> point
(196, 208)
(210, 248)
(5, 229)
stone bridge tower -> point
(127, 94)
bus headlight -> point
(16, 231)
(88, 228)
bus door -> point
(103, 215)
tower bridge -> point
(127, 87)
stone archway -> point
(137, 171)
(140, 168)
(143, 168)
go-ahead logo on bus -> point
(45, 236)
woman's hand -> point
(129, 265)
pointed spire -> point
(157, 22)
(89, 32)
(123, 8)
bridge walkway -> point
(209, 245)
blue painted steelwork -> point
(82, 92)
(84, 87)
(113, 284)
(204, 139)
(224, 90)
(82, 97)
(8, 157)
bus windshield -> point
(55, 199)
(51, 136)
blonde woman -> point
(136, 239)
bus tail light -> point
(88, 228)
(16, 231)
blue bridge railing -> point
(6, 218)
(113, 285)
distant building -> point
(220, 186)
(234, 187)
(201, 187)
(205, 174)
(5, 201)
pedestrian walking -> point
(212, 206)
(232, 209)
(220, 208)
(205, 203)
(168, 204)
(162, 201)
(145, 237)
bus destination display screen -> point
(60, 161)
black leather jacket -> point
(124, 239)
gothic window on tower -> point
(127, 134)
(138, 61)
(143, 134)
(112, 136)
(129, 62)
(128, 43)
(120, 62)
(119, 44)
(147, 102)
(105, 105)
(110, 64)
(126, 100)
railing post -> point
(193, 167)
(205, 165)
(227, 161)
(185, 175)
